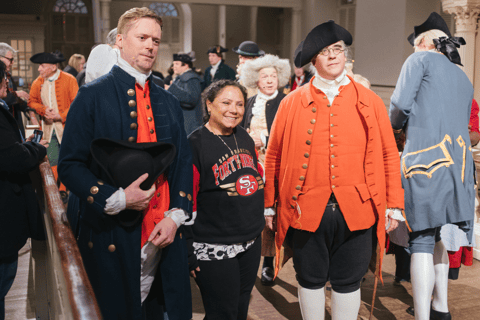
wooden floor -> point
(281, 302)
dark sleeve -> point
(188, 96)
(15, 156)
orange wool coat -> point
(66, 89)
(285, 154)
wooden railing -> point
(62, 288)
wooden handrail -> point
(81, 298)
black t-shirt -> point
(230, 200)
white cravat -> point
(214, 68)
(260, 102)
(330, 87)
(140, 77)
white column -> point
(476, 78)
(97, 22)
(187, 27)
(222, 25)
(105, 13)
(253, 23)
(295, 37)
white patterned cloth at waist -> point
(217, 251)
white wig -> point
(428, 36)
(251, 70)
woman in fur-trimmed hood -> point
(266, 74)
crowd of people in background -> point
(202, 174)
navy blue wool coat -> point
(103, 109)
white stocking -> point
(423, 279)
(312, 303)
(345, 306)
(441, 265)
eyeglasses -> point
(336, 51)
(9, 59)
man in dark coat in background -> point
(217, 69)
(19, 210)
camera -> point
(37, 136)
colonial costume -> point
(431, 103)
(218, 71)
(247, 49)
(331, 170)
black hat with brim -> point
(217, 49)
(182, 57)
(48, 57)
(248, 49)
(320, 37)
(434, 21)
(124, 162)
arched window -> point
(171, 21)
(70, 6)
(164, 9)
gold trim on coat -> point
(447, 161)
(462, 144)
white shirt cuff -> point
(269, 212)
(116, 203)
(397, 214)
(177, 215)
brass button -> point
(150, 119)
(100, 182)
(131, 139)
(333, 156)
(313, 121)
(329, 105)
(331, 136)
(310, 131)
(133, 126)
(294, 197)
(305, 166)
(333, 177)
(152, 131)
(314, 109)
(133, 114)
(131, 92)
(308, 142)
(180, 235)
(182, 194)
(325, 97)
(111, 248)
(148, 107)
(333, 166)
(298, 187)
(331, 125)
(90, 199)
(331, 145)
(302, 178)
(306, 155)
(158, 194)
(132, 103)
(90, 244)
(94, 190)
(331, 114)
(189, 197)
(333, 187)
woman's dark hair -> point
(212, 91)
(3, 71)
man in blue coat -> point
(431, 103)
(117, 106)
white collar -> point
(55, 76)
(140, 77)
(216, 65)
(330, 87)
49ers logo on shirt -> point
(246, 185)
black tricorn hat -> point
(124, 162)
(320, 37)
(434, 21)
(184, 57)
(249, 49)
(217, 49)
(48, 57)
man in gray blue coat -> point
(431, 103)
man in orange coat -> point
(332, 170)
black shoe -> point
(267, 277)
(437, 315)
(411, 311)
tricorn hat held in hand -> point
(48, 57)
(320, 37)
(248, 49)
(434, 21)
(124, 162)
